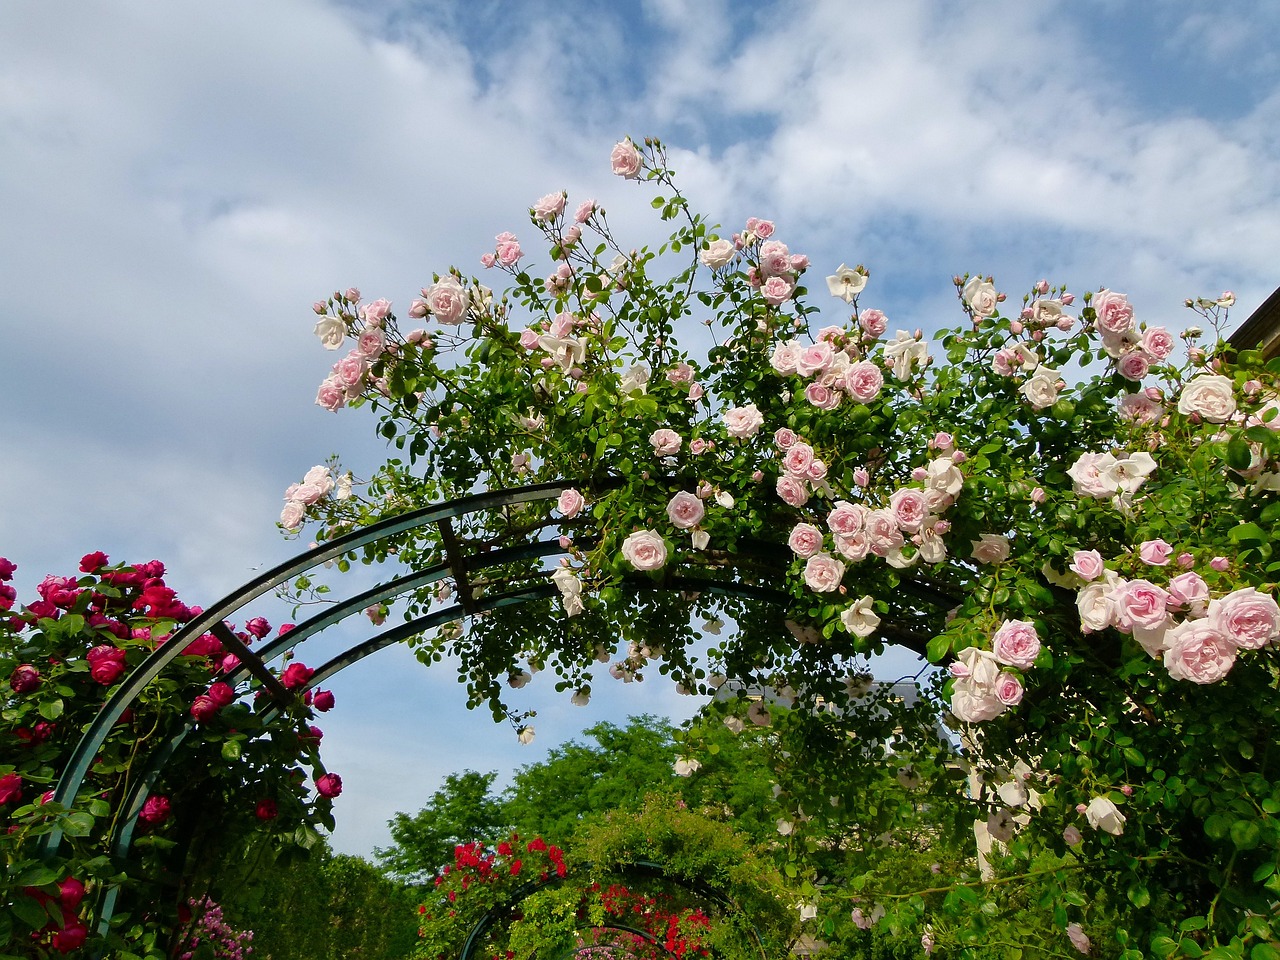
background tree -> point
(463, 810)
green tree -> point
(461, 811)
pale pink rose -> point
(909, 508)
(372, 342)
(625, 159)
(1088, 475)
(665, 442)
(645, 550)
(846, 519)
(1008, 689)
(793, 490)
(797, 459)
(1016, 644)
(861, 477)
(980, 294)
(1071, 835)
(1158, 342)
(1141, 603)
(1247, 618)
(784, 356)
(350, 371)
(680, 373)
(821, 397)
(1134, 365)
(1196, 651)
(332, 394)
(584, 211)
(292, 515)
(695, 392)
(974, 703)
(1115, 314)
(487, 260)
(1087, 564)
(760, 229)
(570, 503)
(375, 312)
(685, 510)
(799, 263)
(549, 207)
(776, 290)
(883, 531)
(864, 381)
(717, 254)
(332, 331)
(1139, 408)
(784, 438)
(1209, 396)
(817, 472)
(1078, 938)
(743, 422)
(823, 573)
(853, 546)
(1155, 553)
(418, 308)
(698, 446)
(562, 325)
(991, 548)
(873, 322)
(805, 540)
(447, 299)
(775, 258)
(529, 338)
(1221, 564)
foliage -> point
(460, 812)
(1072, 510)
(239, 777)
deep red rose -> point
(221, 693)
(24, 679)
(6, 569)
(204, 708)
(323, 700)
(295, 675)
(7, 596)
(156, 809)
(258, 626)
(106, 664)
(203, 646)
(10, 788)
(71, 892)
(93, 562)
(329, 785)
(72, 936)
(266, 809)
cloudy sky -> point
(180, 180)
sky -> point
(180, 181)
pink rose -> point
(1158, 342)
(784, 438)
(909, 508)
(814, 359)
(645, 550)
(570, 503)
(1141, 603)
(350, 371)
(846, 519)
(10, 788)
(293, 514)
(1134, 365)
(1076, 934)
(332, 394)
(1088, 564)
(1247, 618)
(447, 299)
(625, 159)
(793, 490)
(883, 531)
(1196, 651)
(685, 510)
(1155, 553)
(775, 258)
(823, 573)
(549, 207)
(329, 785)
(1008, 689)
(821, 397)
(1016, 644)
(991, 548)
(295, 675)
(797, 459)
(805, 540)
(784, 357)
(743, 422)
(665, 442)
(864, 381)
(1115, 314)
(873, 322)
(106, 664)
(585, 209)
(204, 708)
(776, 290)
(1188, 590)
(508, 251)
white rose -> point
(717, 254)
(331, 331)
(859, 618)
(1103, 815)
(1210, 396)
(981, 297)
(991, 548)
(1041, 389)
(743, 422)
(645, 550)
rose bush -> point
(1075, 517)
(236, 779)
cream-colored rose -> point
(1103, 815)
(1209, 396)
(331, 331)
(981, 297)
(717, 254)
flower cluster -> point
(983, 689)
(210, 931)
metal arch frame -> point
(455, 565)
(491, 916)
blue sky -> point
(179, 181)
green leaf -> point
(51, 709)
(1216, 826)
(1247, 533)
(231, 751)
(1246, 834)
(1264, 951)
(78, 824)
(1163, 946)
(1239, 456)
(1139, 895)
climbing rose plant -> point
(1067, 506)
(241, 775)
